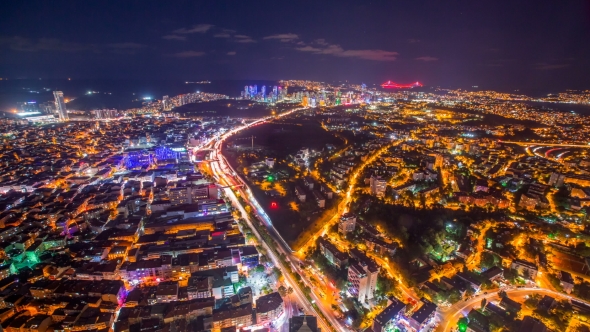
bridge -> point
(392, 85)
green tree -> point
(511, 275)
(489, 260)
(277, 272)
(259, 268)
(282, 291)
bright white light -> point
(27, 113)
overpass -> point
(587, 146)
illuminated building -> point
(166, 104)
(269, 308)
(363, 276)
(106, 114)
(386, 320)
(47, 107)
(167, 292)
(378, 186)
(232, 317)
(422, 316)
(304, 101)
(28, 107)
(60, 105)
(332, 254)
(526, 269)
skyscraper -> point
(60, 105)
(166, 106)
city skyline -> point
(463, 44)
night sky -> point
(495, 44)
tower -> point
(60, 105)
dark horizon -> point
(500, 45)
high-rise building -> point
(28, 107)
(347, 223)
(47, 107)
(166, 104)
(263, 92)
(362, 275)
(60, 105)
(106, 114)
(378, 186)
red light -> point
(274, 205)
(392, 85)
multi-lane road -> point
(226, 176)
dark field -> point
(283, 138)
(279, 140)
(225, 107)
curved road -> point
(452, 314)
(225, 175)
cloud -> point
(188, 54)
(427, 58)
(174, 37)
(320, 41)
(337, 50)
(222, 35)
(413, 41)
(283, 37)
(547, 66)
(200, 28)
(231, 53)
(309, 49)
(244, 39)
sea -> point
(120, 94)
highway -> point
(226, 176)
(587, 146)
